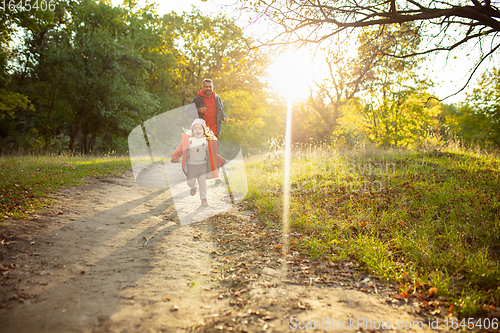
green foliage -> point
(93, 72)
(398, 109)
(402, 120)
(482, 109)
(247, 126)
(374, 97)
(475, 122)
(98, 59)
(421, 219)
(352, 127)
(9, 101)
(215, 48)
(83, 72)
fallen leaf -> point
(399, 296)
(436, 312)
(431, 291)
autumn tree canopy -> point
(82, 77)
(443, 25)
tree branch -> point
(474, 71)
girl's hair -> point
(209, 135)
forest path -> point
(110, 256)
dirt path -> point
(110, 256)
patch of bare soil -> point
(110, 256)
(272, 291)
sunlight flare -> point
(286, 180)
(291, 74)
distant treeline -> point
(80, 76)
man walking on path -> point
(209, 107)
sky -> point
(447, 74)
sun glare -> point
(292, 74)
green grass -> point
(423, 219)
(28, 183)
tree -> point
(215, 48)
(369, 73)
(93, 72)
(327, 97)
(398, 109)
(372, 78)
(445, 25)
(16, 107)
(92, 76)
(479, 116)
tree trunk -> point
(75, 130)
(85, 144)
(92, 142)
(47, 121)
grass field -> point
(423, 219)
(28, 183)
